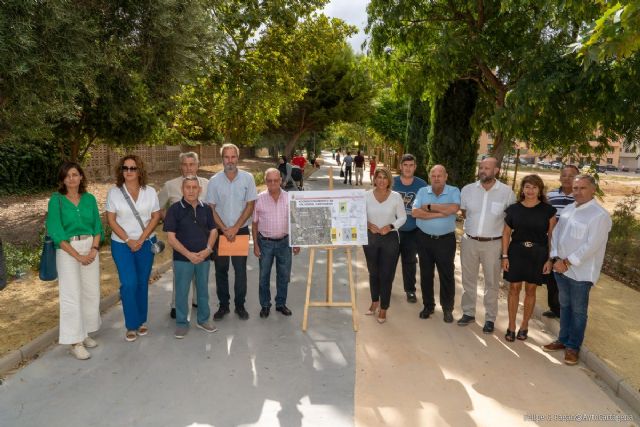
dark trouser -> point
(552, 294)
(382, 257)
(437, 253)
(222, 276)
(408, 251)
(347, 173)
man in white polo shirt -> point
(170, 193)
(483, 203)
(577, 250)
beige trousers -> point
(473, 254)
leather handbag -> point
(341, 173)
(48, 271)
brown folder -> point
(239, 247)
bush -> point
(21, 259)
(623, 248)
(259, 178)
(26, 167)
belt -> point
(530, 244)
(272, 240)
(484, 239)
(81, 237)
(442, 236)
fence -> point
(103, 158)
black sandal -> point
(510, 336)
(522, 334)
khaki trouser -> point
(359, 175)
(472, 254)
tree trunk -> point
(291, 144)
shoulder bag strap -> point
(132, 206)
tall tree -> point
(452, 141)
(417, 135)
(502, 46)
(339, 87)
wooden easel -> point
(329, 296)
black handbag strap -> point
(132, 206)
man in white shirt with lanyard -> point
(482, 204)
(170, 193)
(578, 245)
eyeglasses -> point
(129, 168)
(190, 178)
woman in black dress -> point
(526, 239)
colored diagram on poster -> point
(327, 218)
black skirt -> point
(526, 263)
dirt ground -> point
(29, 307)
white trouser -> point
(79, 294)
(472, 254)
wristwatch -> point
(391, 226)
(429, 207)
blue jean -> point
(282, 253)
(574, 302)
(184, 272)
(134, 269)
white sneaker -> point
(80, 352)
(89, 342)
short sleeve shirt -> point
(231, 197)
(348, 160)
(559, 200)
(146, 204)
(485, 208)
(192, 226)
(437, 226)
(529, 224)
(359, 161)
(408, 194)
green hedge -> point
(623, 248)
(26, 167)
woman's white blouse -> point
(391, 211)
(146, 204)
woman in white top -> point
(385, 215)
(130, 243)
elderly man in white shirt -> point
(577, 250)
(483, 203)
(170, 193)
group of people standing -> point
(196, 212)
(355, 165)
(530, 240)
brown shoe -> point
(570, 357)
(554, 346)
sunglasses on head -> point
(190, 178)
(129, 168)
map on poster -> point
(327, 218)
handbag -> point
(48, 271)
(157, 245)
(341, 173)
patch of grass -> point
(623, 247)
(21, 259)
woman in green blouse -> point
(73, 222)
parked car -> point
(637, 170)
(556, 165)
(611, 168)
(624, 169)
(601, 169)
(544, 164)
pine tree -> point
(417, 134)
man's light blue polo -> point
(437, 226)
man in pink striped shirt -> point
(271, 240)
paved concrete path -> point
(406, 372)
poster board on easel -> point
(328, 220)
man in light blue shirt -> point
(435, 209)
(232, 195)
